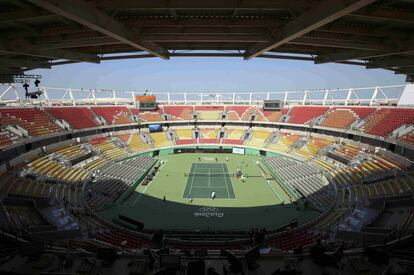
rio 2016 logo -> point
(208, 212)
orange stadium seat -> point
(339, 118)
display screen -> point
(155, 128)
(239, 151)
(272, 105)
(147, 105)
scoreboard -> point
(146, 105)
(272, 105)
(146, 102)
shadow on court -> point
(155, 213)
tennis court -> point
(205, 178)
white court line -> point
(210, 187)
(225, 178)
(192, 180)
(271, 187)
(209, 180)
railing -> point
(14, 94)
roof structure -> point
(44, 33)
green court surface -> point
(257, 202)
(206, 178)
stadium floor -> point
(255, 203)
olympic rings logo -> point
(208, 212)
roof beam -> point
(389, 48)
(25, 15)
(352, 55)
(86, 15)
(386, 15)
(14, 48)
(204, 4)
(20, 62)
(326, 43)
(324, 13)
(391, 62)
(407, 71)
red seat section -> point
(37, 122)
(294, 240)
(232, 141)
(208, 140)
(235, 112)
(150, 116)
(78, 117)
(185, 141)
(210, 108)
(271, 116)
(304, 114)
(363, 112)
(113, 114)
(386, 120)
(179, 112)
(123, 239)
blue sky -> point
(213, 75)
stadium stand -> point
(248, 113)
(34, 120)
(184, 133)
(386, 120)
(113, 114)
(135, 143)
(150, 116)
(362, 112)
(209, 133)
(312, 147)
(233, 136)
(258, 138)
(77, 117)
(284, 143)
(115, 178)
(179, 112)
(339, 118)
(271, 116)
(305, 114)
(209, 112)
(235, 112)
(108, 149)
(160, 139)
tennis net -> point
(209, 175)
